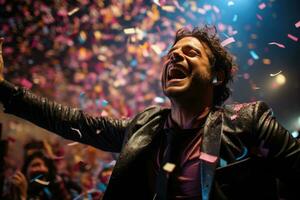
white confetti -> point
(73, 11)
(73, 143)
(276, 73)
(78, 131)
(42, 182)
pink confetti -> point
(292, 37)
(233, 117)
(277, 44)
(262, 6)
(208, 157)
(238, 107)
(227, 41)
(259, 17)
(297, 25)
(26, 83)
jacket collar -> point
(210, 149)
(144, 136)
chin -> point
(177, 88)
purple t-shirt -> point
(184, 181)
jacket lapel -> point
(210, 148)
(138, 142)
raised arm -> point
(277, 145)
(100, 132)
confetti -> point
(72, 143)
(129, 31)
(156, 49)
(168, 8)
(254, 55)
(227, 41)
(235, 17)
(292, 37)
(230, 3)
(276, 73)
(42, 182)
(259, 17)
(262, 6)
(156, 2)
(277, 44)
(208, 158)
(38, 176)
(72, 12)
(77, 131)
(297, 25)
(169, 167)
(233, 117)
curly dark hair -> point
(220, 59)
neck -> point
(191, 113)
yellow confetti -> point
(169, 167)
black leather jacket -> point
(253, 149)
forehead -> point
(189, 40)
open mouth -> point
(176, 72)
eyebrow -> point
(190, 46)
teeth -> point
(176, 73)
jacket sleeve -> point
(73, 124)
(276, 144)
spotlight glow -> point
(280, 79)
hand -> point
(1, 61)
(20, 182)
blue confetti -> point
(104, 103)
(235, 17)
(254, 55)
(38, 176)
(245, 152)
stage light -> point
(295, 134)
(280, 79)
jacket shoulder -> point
(244, 115)
(150, 112)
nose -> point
(176, 57)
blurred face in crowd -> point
(187, 69)
(36, 166)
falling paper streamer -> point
(129, 31)
(262, 6)
(254, 55)
(38, 176)
(42, 182)
(72, 12)
(233, 117)
(297, 25)
(72, 143)
(156, 2)
(292, 37)
(78, 131)
(277, 44)
(227, 41)
(208, 157)
(276, 73)
(169, 167)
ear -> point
(219, 76)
